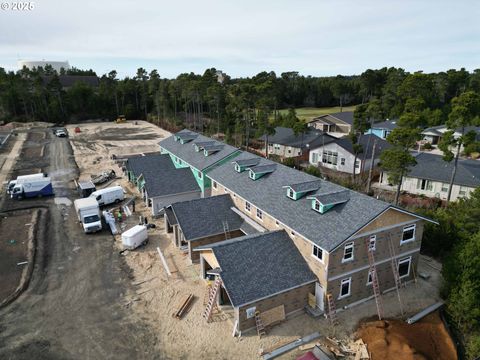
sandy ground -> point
(157, 296)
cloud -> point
(321, 37)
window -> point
(424, 184)
(317, 252)
(345, 288)
(404, 267)
(330, 157)
(289, 151)
(369, 278)
(259, 214)
(348, 252)
(444, 187)
(316, 205)
(252, 175)
(290, 193)
(408, 234)
(247, 206)
(237, 168)
(314, 157)
(180, 161)
(342, 161)
(199, 174)
(372, 243)
(214, 184)
(357, 164)
(462, 191)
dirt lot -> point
(157, 296)
(391, 340)
(14, 244)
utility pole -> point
(370, 171)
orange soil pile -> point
(393, 340)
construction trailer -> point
(261, 278)
(206, 221)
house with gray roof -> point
(383, 129)
(340, 156)
(434, 134)
(431, 177)
(258, 273)
(329, 224)
(160, 182)
(337, 124)
(201, 154)
(286, 144)
(205, 221)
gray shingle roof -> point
(259, 266)
(187, 152)
(204, 217)
(306, 186)
(367, 143)
(345, 116)
(432, 167)
(186, 135)
(310, 139)
(326, 230)
(160, 175)
(386, 125)
(333, 198)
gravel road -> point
(74, 307)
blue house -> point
(382, 129)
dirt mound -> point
(394, 339)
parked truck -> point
(21, 179)
(32, 187)
(88, 213)
(109, 195)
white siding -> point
(284, 151)
(342, 153)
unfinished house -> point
(160, 182)
(258, 274)
(199, 153)
(206, 221)
(358, 247)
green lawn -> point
(308, 113)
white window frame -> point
(404, 260)
(290, 193)
(237, 168)
(342, 282)
(444, 187)
(257, 214)
(251, 175)
(372, 240)
(248, 206)
(342, 161)
(369, 277)
(214, 185)
(315, 247)
(316, 206)
(462, 191)
(405, 229)
(349, 245)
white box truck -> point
(32, 187)
(88, 213)
(135, 237)
(109, 195)
(21, 179)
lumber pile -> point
(273, 316)
(185, 305)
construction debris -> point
(103, 177)
(288, 347)
(425, 312)
(184, 306)
(164, 262)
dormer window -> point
(324, 202)
(251, 174)
(237, 168)
(316, 205)
(291, 193)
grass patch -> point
(308, 113)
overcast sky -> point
(244, 37)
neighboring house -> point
(431, 177)
(160, 182)
(206, 221)
(339, 155)
(434, 134)
(201, 154)
(286, 144)
(261, 272)
(336, 124)
(332, 227)
(382, 129)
